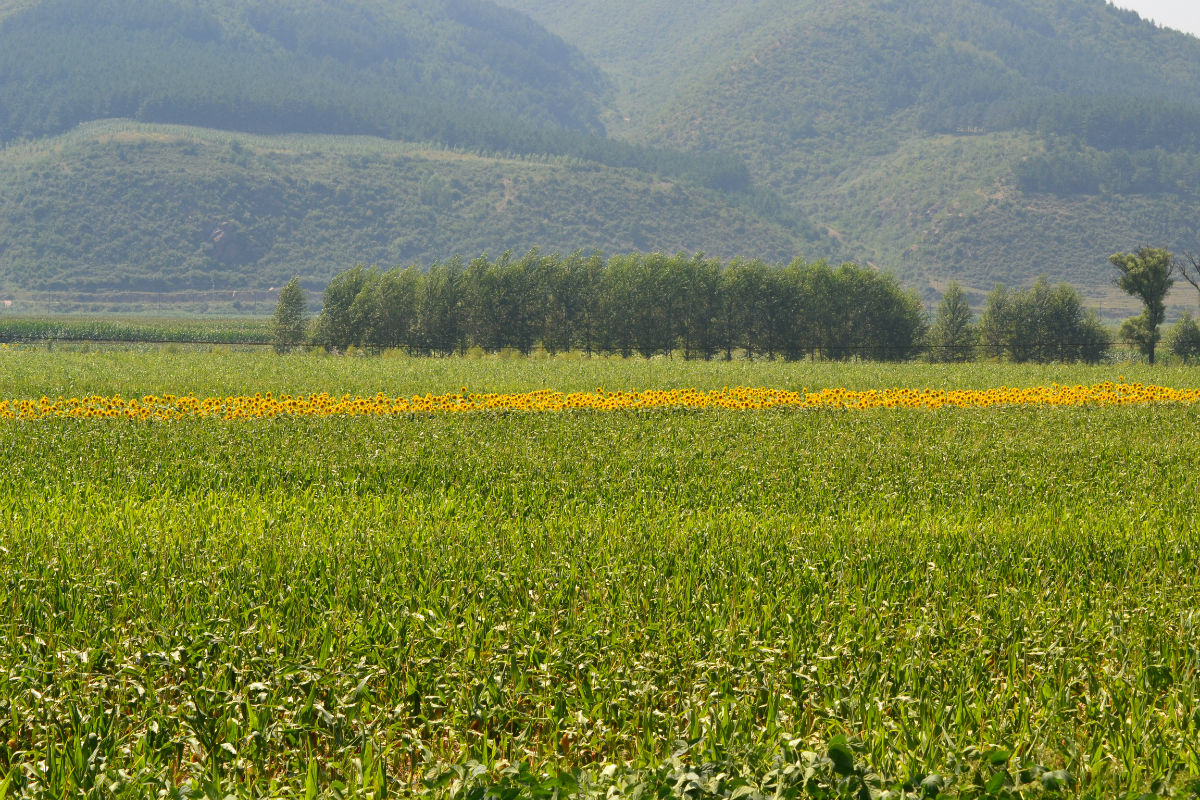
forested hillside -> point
(158, 208)
(461, 73)
(449, 127)
(991, 139)
(977, 140)
(462, 70)
(654, 49)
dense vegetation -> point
(1071, 169)
(163, 208)
(980, 599)
(645, 304)
(1041, 323)
(109, 328)
(1057, 67)
(941, 139)
(419, 70)
(658, 304)
(462, 73)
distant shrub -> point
(1184, 339)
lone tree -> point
(953, 337)
(1146, 275)
(289, 324)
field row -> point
(267, 406)
(130, 372)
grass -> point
(146, 329)
(696, 603)
(29, 372)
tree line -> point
(643, 304)
(655, 304)
(1040, 324)
(1068, 168)
(1045, 323)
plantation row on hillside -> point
(1069, 169)
(414, 70)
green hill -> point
(654, 49)
(431, 128)
(460, 71)
(980, 139)
(121, 205)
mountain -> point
(152, 144)
(143, 207)
(461, 71)
(653, 50)
(969, 140)
(982, 140)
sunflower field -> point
(985, 589)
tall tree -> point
(1184, 338)
(289, 325)
(337, 326)
(1146, 275)
(439, 308)
(953, 335)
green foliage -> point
(289, 324)
(1184, 338)
(159, 208)
(645, 304)
(1117, 123)
(1142, 335)
(953, 336)
(1041, 324)
(342, 320)
(136, 371)
(1145, 275)
(461, 73)
(111, 328)
(945, 66)
(982, 604)
(1069, 169)
(918, 130)
(935, 139)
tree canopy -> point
(644, 304)
(1145, 275)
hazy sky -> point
(1181, 14)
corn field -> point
(969, 602)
